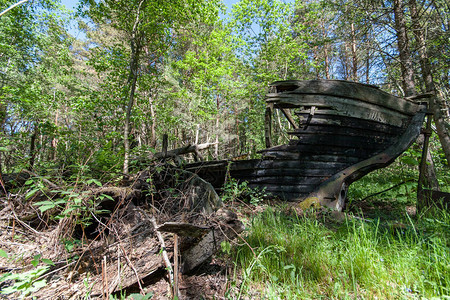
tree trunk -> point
(126, 133)
(325, 51)
(216, 148)
(153, 127)
(435, 102)
(404, 50)
(33, 146)
(55, 139)
(131, 80)
(408, 83)
(354, 57)
(136, 46)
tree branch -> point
(12, 6)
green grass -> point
(301, 258)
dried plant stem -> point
(164, 251)
(176, 291)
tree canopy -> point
(187, 69)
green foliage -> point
(142, 297)
(24, 283)
(3, 253)
(27, 282)
(226, 247)
(80, 205)
(299, 257)
(233, 190)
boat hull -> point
(340, 131)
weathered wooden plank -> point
(268, 125)
(209, 164)
(290, 197)
(289, 117)
(356, 142)
(322, 150)
(349, 131)
(335, 103)
(347, 122)
(343, 158)
(300, 189)
(346, 89)
(183, 150)
(286, 164)
(328, 138)
(288, 180)
(368, 115)
(282, 172)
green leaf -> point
(94, 181)
(3, 253)
(107, 197)
(137, 296)
(45, 207)
(31, 193)
(410, 161)
(48, 261)
(38, 285)
(70, 209)
(36, 260)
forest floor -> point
(85, 269)
(44, 257)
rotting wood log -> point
(226, 227)
(183, 229)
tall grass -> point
(302, 258)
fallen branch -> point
(130, 264)
(176, 291)
(51, 184)
(164, 250)
(388, 189)
(12, 6)
(162, 243)
(24, 224)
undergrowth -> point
(301, 257)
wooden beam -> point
(288, 116)
(268, 125)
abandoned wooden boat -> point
(340, 132)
